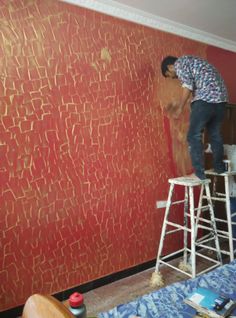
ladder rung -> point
(176, 268)
(177, 202)
(208, 247)
(214, 198)
(203, 208)
(220, 194)
(221, 220)
(225, 221)
(178, 226)
(205, 227)
(206, 208)
(204, 240)
(225, 252)
(223, 234)
(209, 259)
(204, 220)
(206, 257)
(173, 231)
(172, 254)
(209, 268)
(200, 219)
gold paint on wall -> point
(105, 55)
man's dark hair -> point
(168, 60)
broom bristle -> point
(156, 280)
(185, 267)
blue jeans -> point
(207, 116)
(233, 209)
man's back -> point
(201, 78)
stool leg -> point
(212, 216)
(185, 256)
(192, 222)
(199, 210)
(163, 232)
(228, 214)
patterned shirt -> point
(201, 78)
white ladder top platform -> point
(191, 181)
(227, 173)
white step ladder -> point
(225, 235)
(194, 219)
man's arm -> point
(176, 108)
(186, 93)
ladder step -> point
(220, 194)
(175, 267)
(214, 198)
(177, 202)
(208, 247)
(173, 254)
(208, 237)
(221, 220)
(178, 226)
(203, 208)
(200, 219)
(205, 227)
(173, 231)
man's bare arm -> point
(186, 93)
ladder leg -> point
(185, 256)
(199, 210)
(228, 214)
(214, 229)
(214, 185)
(192, 221)
(163, 232)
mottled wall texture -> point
(86, 146)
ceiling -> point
(208, 21)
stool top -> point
(191, 180)
(226, 173)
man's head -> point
(167, 67)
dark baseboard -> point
(12, 313)
(61, 296)
(105, 280)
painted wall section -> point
(226, 64)
(86, 147)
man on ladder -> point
(209, 96)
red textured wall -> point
(226, 63)
(85, 145)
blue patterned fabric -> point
(201, 78)
(168, 302)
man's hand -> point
(173, 109)
(178, 112)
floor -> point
(127, 289)
(122, 291)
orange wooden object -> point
(41, 306)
